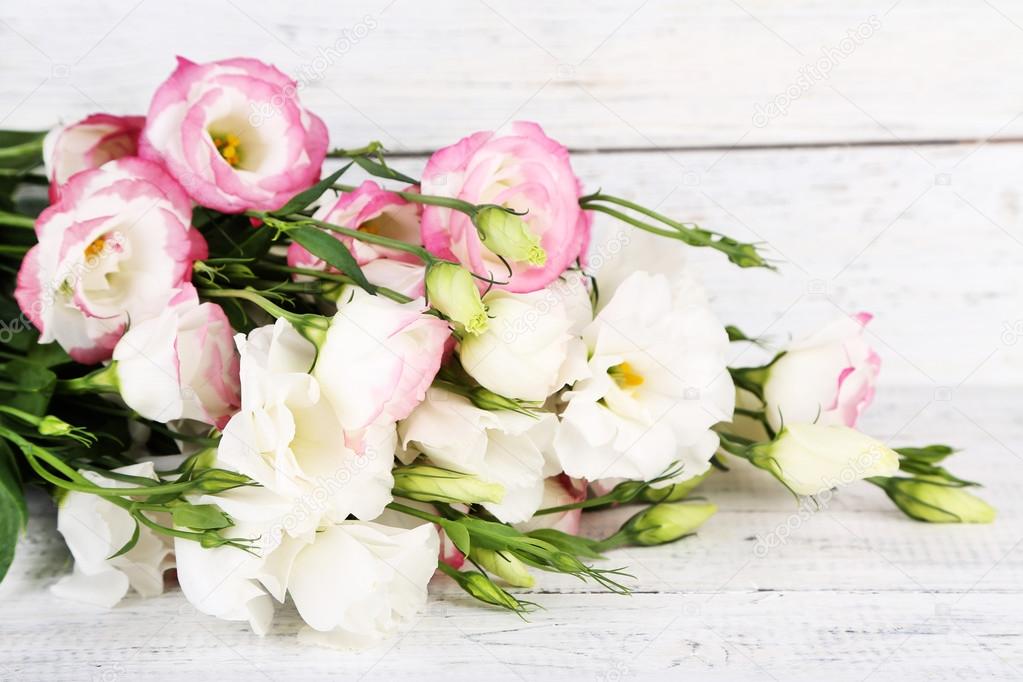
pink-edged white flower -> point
(379, 358)
(86, 144)
(658, 382)
(287, 436)
(828, 377)
(95, 529)
(234, 134)
(497, 446)
(180, 365)
(118, 246)
(523, 170)
(369, 208)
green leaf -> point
(932, 454)
(304, 198)
(13, 511)
(36, 383)
(21, 150)
(333, 251)
(379, 170)
(200, 517)
(458, 535)
(573, 544)
(128, 546)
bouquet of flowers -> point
(275, 383)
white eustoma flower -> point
(658, 383)
(531, 347)
(94, 529)
(353, 582)
(287, 435)
(497, 446)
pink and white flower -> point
(524, 170)
(827, 378)
(234, 134)
(378, 359)
(181, 365)
(117, 246)
(86, 144)
(369, 208)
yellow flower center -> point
(625, 376)
(229, 147)
(95, 249)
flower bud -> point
(934, 502)
(54, 426)
(811, 458)
(218, 480)
(673, 492)
(483, 588)
(451, 289)
(662, 523)
(504, 565)
(485, 399)
(507, 234)
(433, 484)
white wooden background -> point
(892, 183)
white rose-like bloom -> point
(497, 446)
(353, 582)
(811, 458)
(181, 364)
(658, 383)
(94, 529)
(287, 436)
(529, 350)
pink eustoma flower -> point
(118, 246)
(182, 364)
(234, 134)
(87, 144)
(523, 170)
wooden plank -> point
(597, 74)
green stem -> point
(8, 219)
(428, 199)
(299, 320)
(371, 148)
(334, 277)
(418, 513)
(631, 221)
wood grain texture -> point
(608, 73)
(854, 591)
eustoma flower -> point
(180, 365)
(287, 436)
(234, 134)
(371, 209)
(657, 383)
(95, 529)
(86, 144)
(523, 170)
(378, 359)
(827, 378)
(117, 246)
(501, 447)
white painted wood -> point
(609, 73)
(856, 592)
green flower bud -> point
(219, 480)
(507, 234)
(661, 523)
(452, 290)
(485, 399)
(54, 426)
(483, 588)
(936, 503)
(674, 492)
(433, 484)
(504, 565)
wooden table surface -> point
(876, 147)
